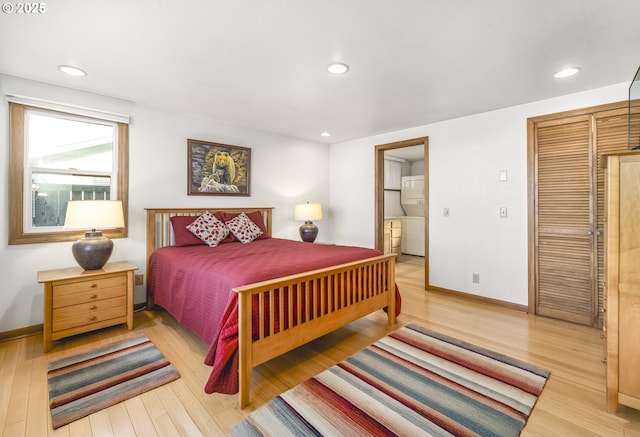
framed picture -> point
(218, 169)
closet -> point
(566, 209)
(622, 262)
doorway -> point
(380, 193)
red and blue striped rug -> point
(412, 382)
(88, 382)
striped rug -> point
(88, 382)
(412, 382)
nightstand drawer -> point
(70, 287)
(84, 314)
(67, 299)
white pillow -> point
(243, 228)
(209, 229)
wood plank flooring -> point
(572, 403)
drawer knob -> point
(92, 318)
(93, 307)
(93, 296)
(94, 285)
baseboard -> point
(21, 333)
(37, 329)
(480, 299)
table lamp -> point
(308, 212)
(93, 250)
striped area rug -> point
(412, 382)
(88, 382)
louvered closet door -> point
(566, 265)
(611, 135)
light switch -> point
(503, 175)
(445, 212)
(503, 212)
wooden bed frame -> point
(370, 287)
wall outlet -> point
(139, 279)
(475, 278)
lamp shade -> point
(93, 250)
(308, 212)
(94, 214)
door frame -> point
(379, 195)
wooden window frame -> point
(17, 234)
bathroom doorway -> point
(412, 151)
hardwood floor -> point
(572, 403)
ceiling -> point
(408, 153)
(262, 64)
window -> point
(57, 156)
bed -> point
(253, 302)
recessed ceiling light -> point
(567, 72)
(325, 134)
(72, 71)
(337, 68)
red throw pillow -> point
(183, 236)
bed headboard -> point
(160, 232)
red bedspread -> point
(195, 284)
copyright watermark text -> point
(24, 8)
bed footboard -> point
(294, 310)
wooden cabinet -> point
(393, 236)
(622, 263)
(77, 300)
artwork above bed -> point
(218, 169)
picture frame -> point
(216, 169)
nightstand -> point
(77, 300)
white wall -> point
(416, 167)
(465, 158)
(284, 171)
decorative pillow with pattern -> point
(243, 228)
(255, 216)
(209, 229)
